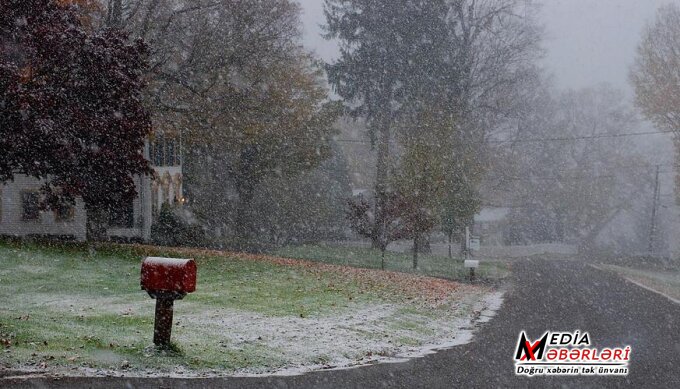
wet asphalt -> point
(544, 295)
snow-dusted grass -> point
(66, 313)
(664, 282)
(430, 265)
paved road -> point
(555, 295)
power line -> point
(587, 137)
(244, 138)
(566, 173)
(556, 178)
(538, 140)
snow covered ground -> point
(250, 316)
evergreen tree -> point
(392, 54)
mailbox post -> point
(472, 265)
(167, 280)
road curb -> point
(674, 300)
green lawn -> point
(64, 311)
(666, 282)
(429, 265)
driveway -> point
(546, 295)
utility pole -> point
(467, 243)
(652, 228)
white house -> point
(20, 214)
(491, 224)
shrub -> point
(170, 229)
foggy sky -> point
(587, 41)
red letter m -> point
(532, 351)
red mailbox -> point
(169, 275)
(167, 280)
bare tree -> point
(232, 78)
(470, 55)
(496, 45)
(573, 175)
(656, 73)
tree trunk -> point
(382, 168)
(246, 192)
(382, 259)
(424, 243)
(97, 220)
(96, 224)
(246, 181)
(416, 240)
(462, 243)
(450, 241)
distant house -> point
(365, 193)
(20, 214)
(491, 225)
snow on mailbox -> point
(168, 275)
(167, 280)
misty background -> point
(521, 125)
(587, 43)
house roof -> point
(490, 214)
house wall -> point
(136, 232)
(490, 233)
(165, 187)
(11, 214)
(490, 225)
(13, 224)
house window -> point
(170, 152)
(158, 151)
(178, 153)
(165, 151)
(122, 216)
(30, 205)
(64, 213)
